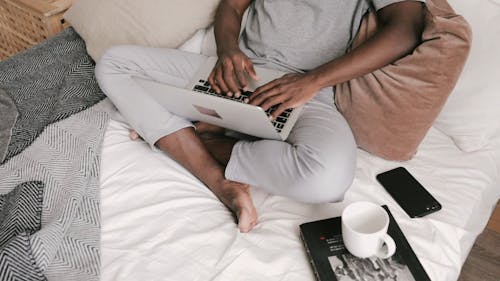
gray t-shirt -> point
(299, 35)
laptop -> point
(199, 102)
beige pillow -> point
(156, 23)
(391, 109)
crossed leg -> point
(173, 135)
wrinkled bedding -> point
(161, 223)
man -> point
(308, 39)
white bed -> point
(161, 223)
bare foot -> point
(202, 128)
(236, 196)
(185, 147)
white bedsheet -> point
(161, 223)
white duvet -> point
(161, 223)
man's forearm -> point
(398, 35)
(227, 24)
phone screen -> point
(408, 192)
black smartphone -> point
(408, 192)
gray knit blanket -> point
(52, 122)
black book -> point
(332, 262)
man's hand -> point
(230, 73)
(289, 91)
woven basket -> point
(24, 23)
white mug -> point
(364, 230)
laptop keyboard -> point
(204, 87)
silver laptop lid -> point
(221, 110)
(196, 106)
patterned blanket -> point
(52, 122)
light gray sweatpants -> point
(315, 164)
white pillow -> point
(471, 116)
(194, 44)
(156, 23)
